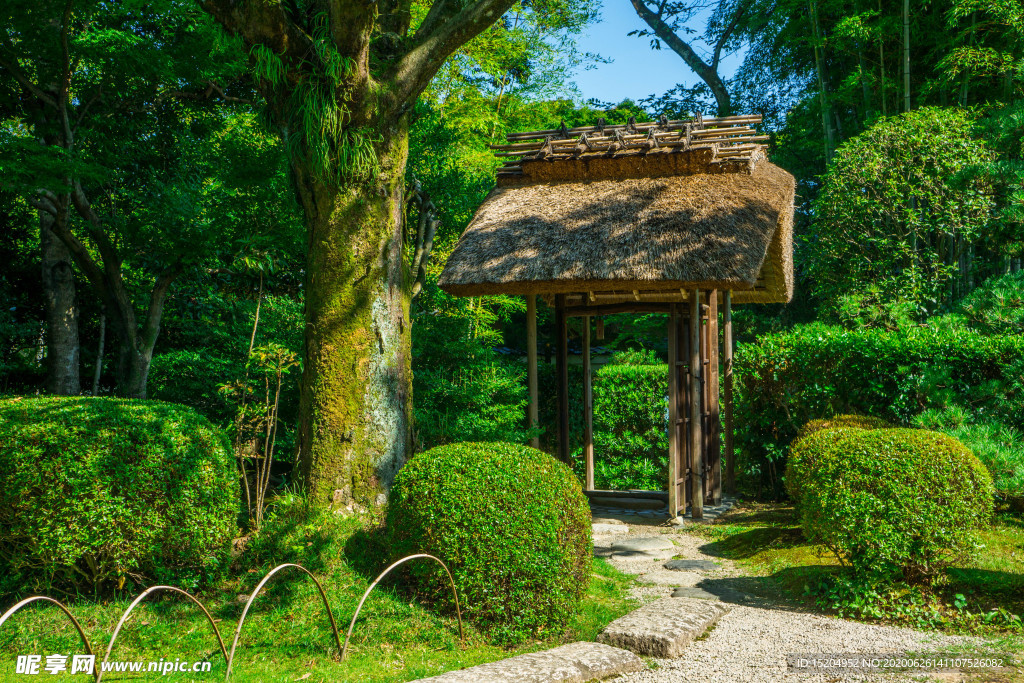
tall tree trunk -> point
(906, 55)
(356, 397)
(881, 65)
(823, 99)
(98, 370)
(63, 350)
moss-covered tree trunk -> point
(340, 78)
(357, 380)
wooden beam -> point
(673, 412)
(588, 407)
(696, 442)
(562, 368)
(533, 418)
(608, 309)
(730, 454)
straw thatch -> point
(633, 239)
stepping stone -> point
(575, 663)
(599, 528)
(642, 545)
(664, 627)
(693, 592)
(692, 565)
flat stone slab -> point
(692, 565)
(599, 528)
(574, 663)
(693, 592)
(642, 544)
(664, 627)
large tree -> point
(340, 78)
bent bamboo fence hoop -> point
(259, 589)
(65, 610)
(458, 610)
(142, 596)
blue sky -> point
(637, 71)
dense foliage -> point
(512, 524)
(784, 380)
(96, 493)
(891, 503)
(630, 437)
(891, 212)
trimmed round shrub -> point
(511, 523)
(892, 503)
(802, 453)
(97, 492)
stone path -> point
(573, 663)
(649, 509)
(724, 630)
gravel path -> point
(750, 643)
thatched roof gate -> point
(673, 216)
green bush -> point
(812, 438)
(784, 380)
(96, 491)
(997, 306)
(630, 438)
(892, 503)
(512, 524)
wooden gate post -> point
(562, 367)
(696, 374)
(730, 455)
(531, 365)
(588, 406)
(673, 410)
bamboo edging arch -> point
(142, 596)
(65, 610)
(458, 610)
(229, 657)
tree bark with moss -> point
(340, 78)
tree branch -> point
(260, 23)
(26, 83)
(446, 28)
(727, 33)
(706, 72)
(158, 296)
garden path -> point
(749, 643)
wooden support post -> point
(588, 407)
(562, 368)
(696, 442)
(533, 418)
(714, 455)
(673, 411)
(730, 454)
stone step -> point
(692, 565)
(664, 627)
(609, 529)
(574, 663)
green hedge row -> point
(785, 380)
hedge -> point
(785, 380)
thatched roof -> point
(590, 230)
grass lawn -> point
(287, 635)
(767, 540)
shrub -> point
(784, 380)
(892, 502)
(897, 184)
(812, 438)
(512, 524)
(630, 436)
(94, 491)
